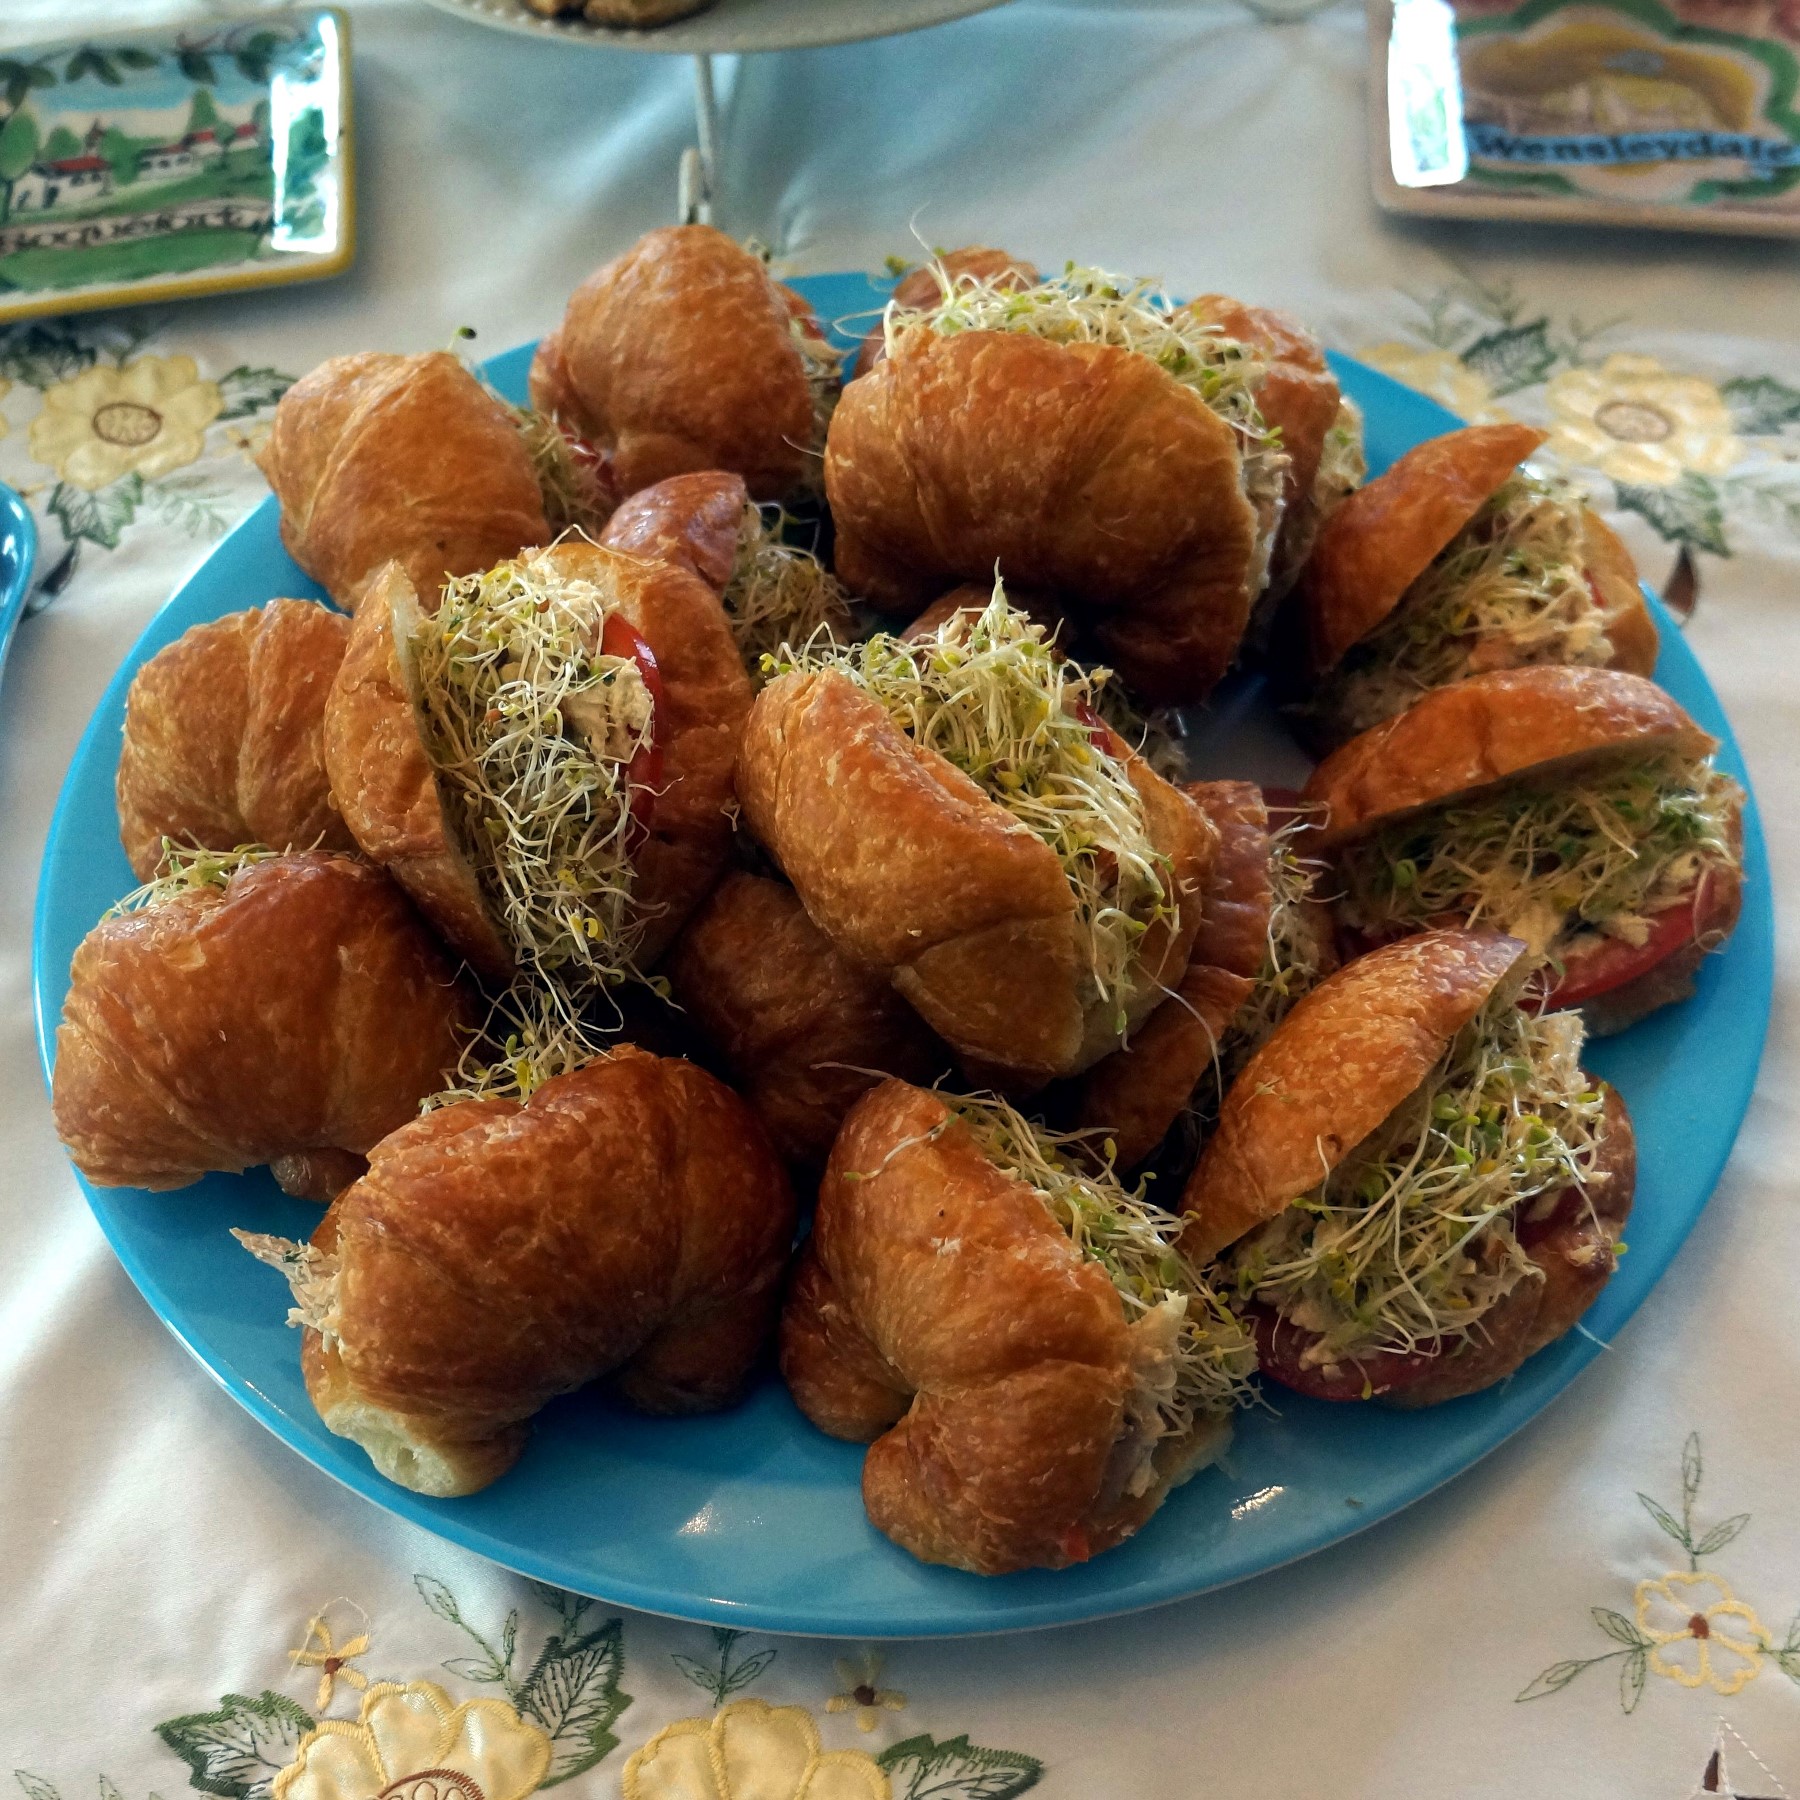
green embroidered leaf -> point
(1631, 1679)
(1691, 1467)
(739, 1678)
(1665, 1520)
(1519, 356)
(1788, 1662)
(238, 1750)
(40, 355)
(573, 1692)
(98, 517)
(246, 391)
(1761, 405)
(439, 1598)
(35, 1785)
(470, 1668)
(921, 1769)
(509, 1638)
(1689, 512)
(109, 1789)
(187, 503)
(698, 1673)
(1555, 1678)
(1617, 1627)
(1721, 1534)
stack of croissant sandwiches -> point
(747, 771)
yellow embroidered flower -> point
(750, 1751)
(149, 417)
(860, 1691)
(1638, 423)
(411, 1743)
(1444, 376)
(1704, 1635)
(333, 1661)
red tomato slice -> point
(1280, 1348)
(1612, 962)
(643, 774)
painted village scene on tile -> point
(167, 158)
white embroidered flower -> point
(1704, 1635)
(750, 1751)
(149, 417)
(412, 1743)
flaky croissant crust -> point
(302, 1007)
(630, 1220)
(377, 458)
(1081, 469)
(909, 868)
(679, 356)
(224, 736)
(941, 1312)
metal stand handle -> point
(698, 178)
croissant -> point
(1453, 563)
(377, 458)
(943, 1314)
(1082, 469)
(299, 1007)
(629, 1221)
(913, 867)
(223, 736)
(685, 354)
(773, 592)
(432, 836)
(1263, 942)
(803, 1031)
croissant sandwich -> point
(953, 814)
(1578, 809)
(1455, 562)
(224, 737)
(684, 354)
(250, 1009)
(1264, 940)
(1088, 438)
(774, 592)
(377, 458)
(1321, 431)
(629, 1221)
(1031, 1361)
(1414, 1183)
(803, 1031)
(544, 764)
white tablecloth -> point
(163, 1556)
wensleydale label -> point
(1493, 143)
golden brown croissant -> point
(803, 1031)
(629, 1221)
(1462, 1182)
(1456, 562)
(405, 817)
(1082, 469)
(913, 868)
(378, 458)
(302, 1006)
(223, 735)
(684, 354)
(942, 1310)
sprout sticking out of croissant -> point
(1090, 306)
(779, 593)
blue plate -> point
(753, 1518)
(18, 556)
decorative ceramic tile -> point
(162, 165)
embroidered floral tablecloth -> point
(1609, 1606)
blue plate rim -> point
(1755, 938)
